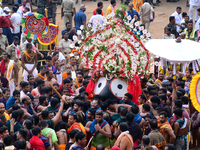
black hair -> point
(178, 112)
(112, 2)
(99, 11)
(4, 91)
(155, 99)
(42, 67)
(15, 106)
(23, 132)
(170, 89)
(184, 99)
(86, 105)
(145, 91)
(16, 92)
(104, 106)
(146, 107)
(98, 101)
(28, 9)
(20, 112)
(73, 133)
(198, 9)
(62, 125)
(159, 109)
(45, 114)
(28, 124)
(123, 126)
(130, 96)
(2, 146)
(163, 97)
(2, 117)
(171, 18)
(149, 88)
(178, 103)
(164, 90)
(55, 53)
(85, 82)
(170, 79)
(123, 112)
(79, 70)
(168, 28)
(24, 84)
(153, 123)
(143, 97)
(178, 7)
(153, 92)
(3, 129)
(15, 38)
(8, 55)
(187, 16)
(181, 84)
(146, 139)
(36, 119)
(110, 102)
(182, 91)
(30, 75)
(15, 114)
(79, 136)
(7, 140)
(56, 84)
(67, 23)
(184, 14)
(79, 103)
(42, 90)
(36, 131)
(40, 81)
(74, 116)
(31, 96)
(23, 100)
(92, 111)
(99, 112)
(66, 81)
(163, 113)
(100, 147)
(190, 21)
(28, 44)
(21, 144)
(54, 102)
(99, 4)
(130, 117)
(135, 109)
(80, 73)
(170, 147)
(43, 124)
(48, 89)
(42, 99)
(48, 58)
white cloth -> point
(60, 59)
(191, 9)
(22, 94)
(194, 2)
(11, 87)
(59, 78)
(186, 51)
(197, 24)
(123, 133)
(25, 73)
(96, 20)
(178, 19)
(1, 11)
(16, 21)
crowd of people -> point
(50, 108)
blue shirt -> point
(131, 103)
(132, 14)
(79, 18)
(70, 35)
(10, 102)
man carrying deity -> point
(29, 61)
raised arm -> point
(56, 119)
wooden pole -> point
(56, 92)
(49, 33)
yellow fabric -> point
(137, 4)
(9, 70)
(108, 11)
(7, 116)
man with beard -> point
(42, 74)
(43, 103)
(127, 99)
(6, 95)
(80, 142)
(100, 129)
(160, 78)
(50, 78)
(79, 80)
(164, 126)
(73, 124)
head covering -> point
(83, 6)
(165, 82)
(115, 148)
(6, 9)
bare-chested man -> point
(181, 127)
(101, 129)
(42, 74)
(29, 61)
(43, 104)
(50, 79)
(62, 135)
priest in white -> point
(194, 5)
(178, 18)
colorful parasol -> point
(195, 92)
(35, 25)
(53, 32)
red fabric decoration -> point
(2, 67)
(134, 89)
(90, 87)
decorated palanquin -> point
(118, 57)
